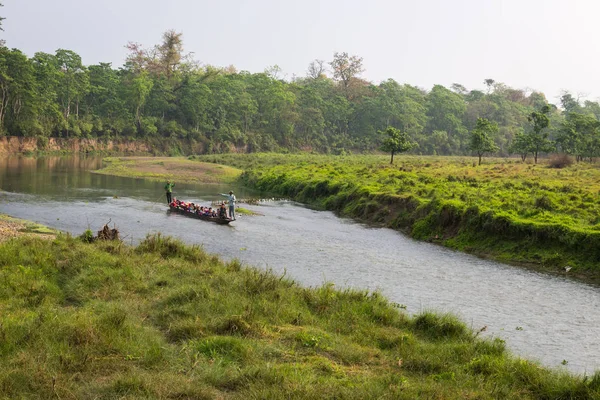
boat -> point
(218, 220)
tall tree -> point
(170, 52)
(569, 103)
(458, 88)
(316, 69)
(490, 84)
(345, 69)
(482, 140)
(48, 81)
(69, 64)
(139, 89)
(274, 72)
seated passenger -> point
(222, 211)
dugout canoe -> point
(220, 221)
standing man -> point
(231, 201)
(169, 191)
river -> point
(541, 317)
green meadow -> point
(164, 320)
(544, 217)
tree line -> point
(161, 91)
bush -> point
(87, 236)
(168, 247)
(440, 326)
(560, 161)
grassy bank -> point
(163, 168)
(510, 211)
(13, 227)
(164, 320)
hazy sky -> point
(547, 45)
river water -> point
(541, 317)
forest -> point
(161, 91)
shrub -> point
(440, 326)
(560, 161)
(168, 247)
(87, 236)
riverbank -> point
(13, 227)
(16, 145)
(153, 146)
(167, 320)
(524, 214)
(174, 168)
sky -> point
(547, 46)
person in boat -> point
(174, 202)
(231, 200)
(222, 211)
(169, 191)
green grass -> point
(245, 211)
(163, 168)
(524, 213)
(165, 320)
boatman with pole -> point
(231, 201)
(169, 191)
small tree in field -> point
(395, 142)
(481, 137)
(521, 145)
(539, 135)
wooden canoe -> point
(220, 221)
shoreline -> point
(12, 227)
